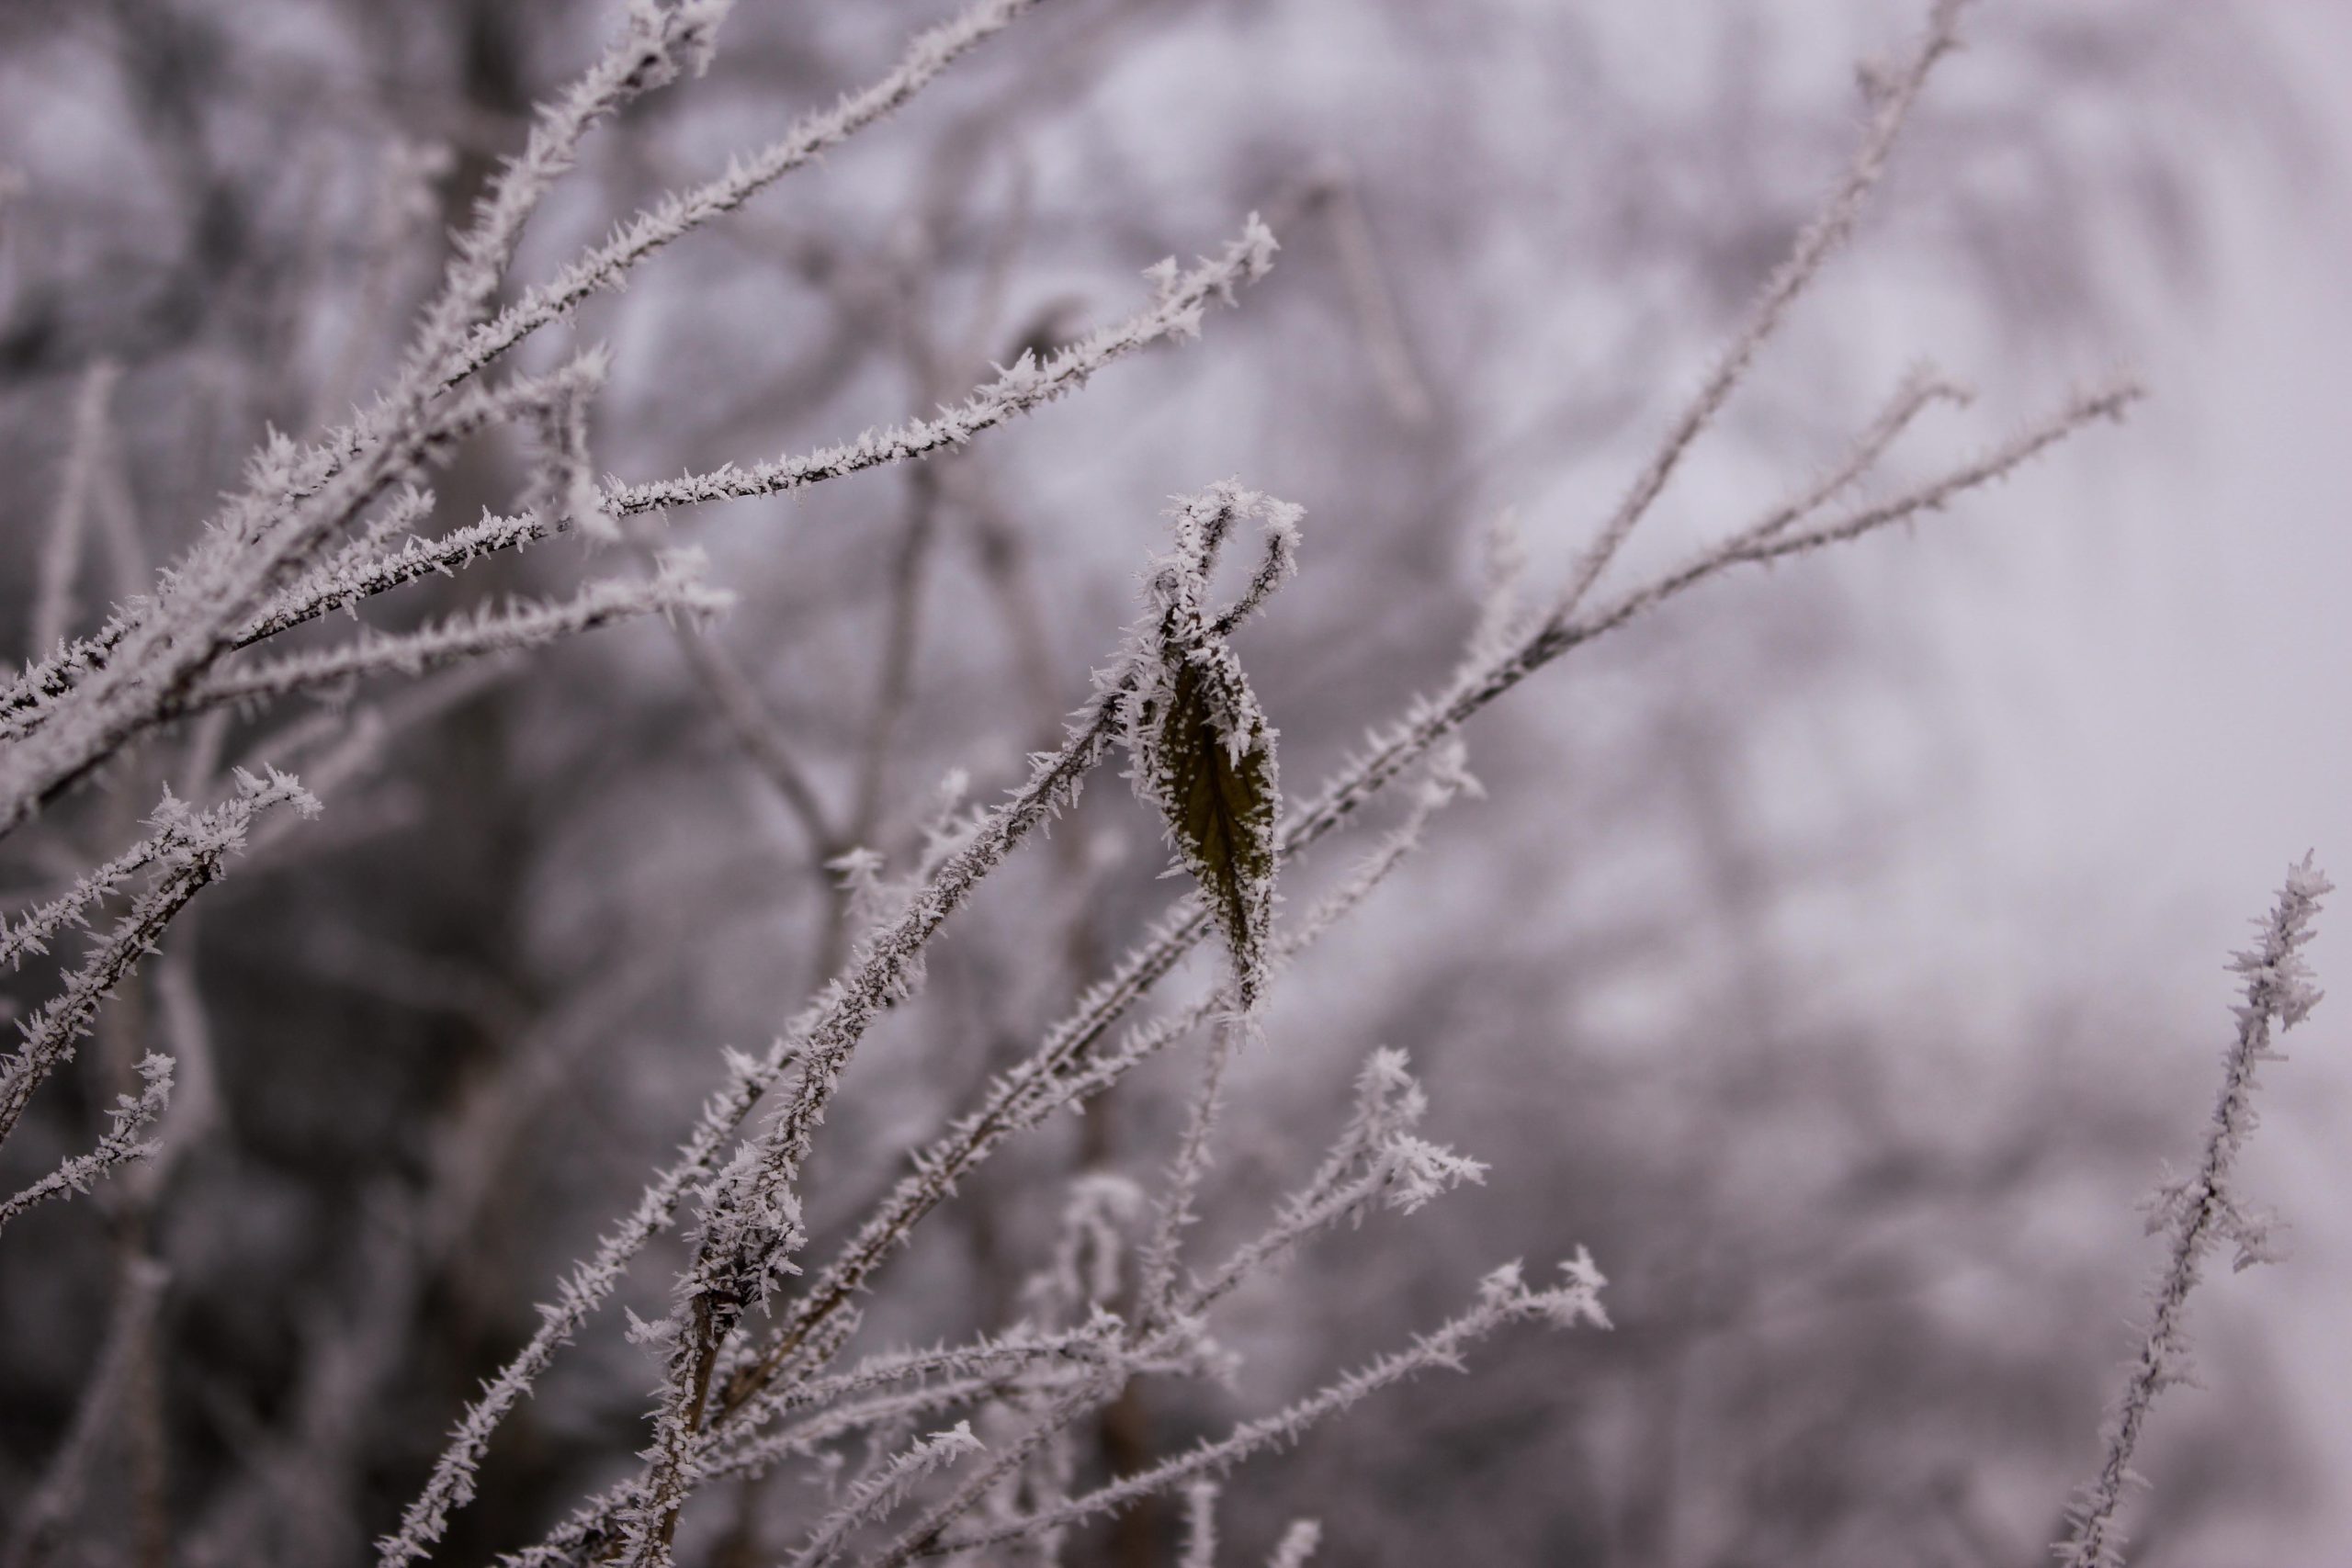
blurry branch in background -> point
(2200, 1210)
(762, 737)
(1297, 1544)
(49, 1511)
(1335, 195)
(84, 453)
(355, 1346)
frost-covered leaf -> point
(1205, 760)
(1204, 755)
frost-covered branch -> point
(877, 1495)
(61, 552)
(1430, 721)
(1027, 384)
(175, 830)
(367, 566)
(1297, 1545)
(1200, 1526)
(578, 1294)
(452, 344)
(757, 1392)
(1005, 1460)
(749, 1224)
(1893, 91)
(1773, 538)
(40, 683)
(486, 633)
(659, 40)
(982, 1359)
(1156, 1281)
(1171, 1327)
(359, 575)
(1920, 390)
(202, 841)
(968, 1375)
(1059, 1074)
(927, 54)
(1035, 1369)
(349, 579)
(2196, 1213)
(264, 526)
(295, 498)
(1376, 1158)
(131, 1116)
(1428, 728)
(1504, 1298)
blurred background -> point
(1837, 952)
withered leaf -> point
(1206, 760)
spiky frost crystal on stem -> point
(2203, 1210)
